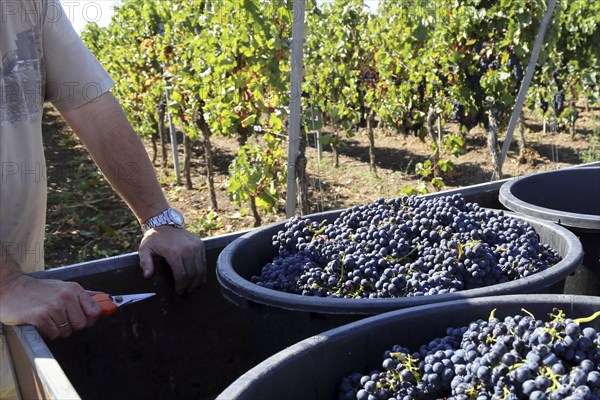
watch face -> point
(176, 216)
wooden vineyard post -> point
(295, 104)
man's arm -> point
(55, 308)
(120, 154)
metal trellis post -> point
(172, 130)
(539, 40)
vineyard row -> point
(222, 67)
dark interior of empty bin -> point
(168, 346)
(572, 190)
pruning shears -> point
(109, 304)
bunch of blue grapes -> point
(458, 113)
(518, 357)
(558, 102)
(543, 104)
(515, 64)
(402, 247)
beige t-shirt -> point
(43, 59)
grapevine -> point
(410, 69)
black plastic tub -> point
(571, 198)
(313, 368)
(280, 319)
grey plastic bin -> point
(279, 319)
(313, 368)
(571, 198)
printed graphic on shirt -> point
(21, 89)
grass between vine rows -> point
(86, 220)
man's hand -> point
(183, 251)
(55, 308)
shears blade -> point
(109, 304)
(125, 299)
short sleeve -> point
(73, 76)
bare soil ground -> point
(86, 220)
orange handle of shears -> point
(106, 303)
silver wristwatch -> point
(168, 217)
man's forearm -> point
(119, 153)
(9, 269)
(9, 272)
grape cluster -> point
(474, 84)
(488, 63)
(543, 104)
(421, 90)
(400, 247)
(458, 112)
(368, 76)
(440, 83)
(465, 121)
(515, 64)
(558, 102)
(518, 357)
(556, 78)
(497, 111)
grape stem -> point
(492, 314)
(592, 317)
(528, 313)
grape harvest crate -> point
(168, 346)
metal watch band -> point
(163, 218)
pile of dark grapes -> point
(400, 247)
(511, 359)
